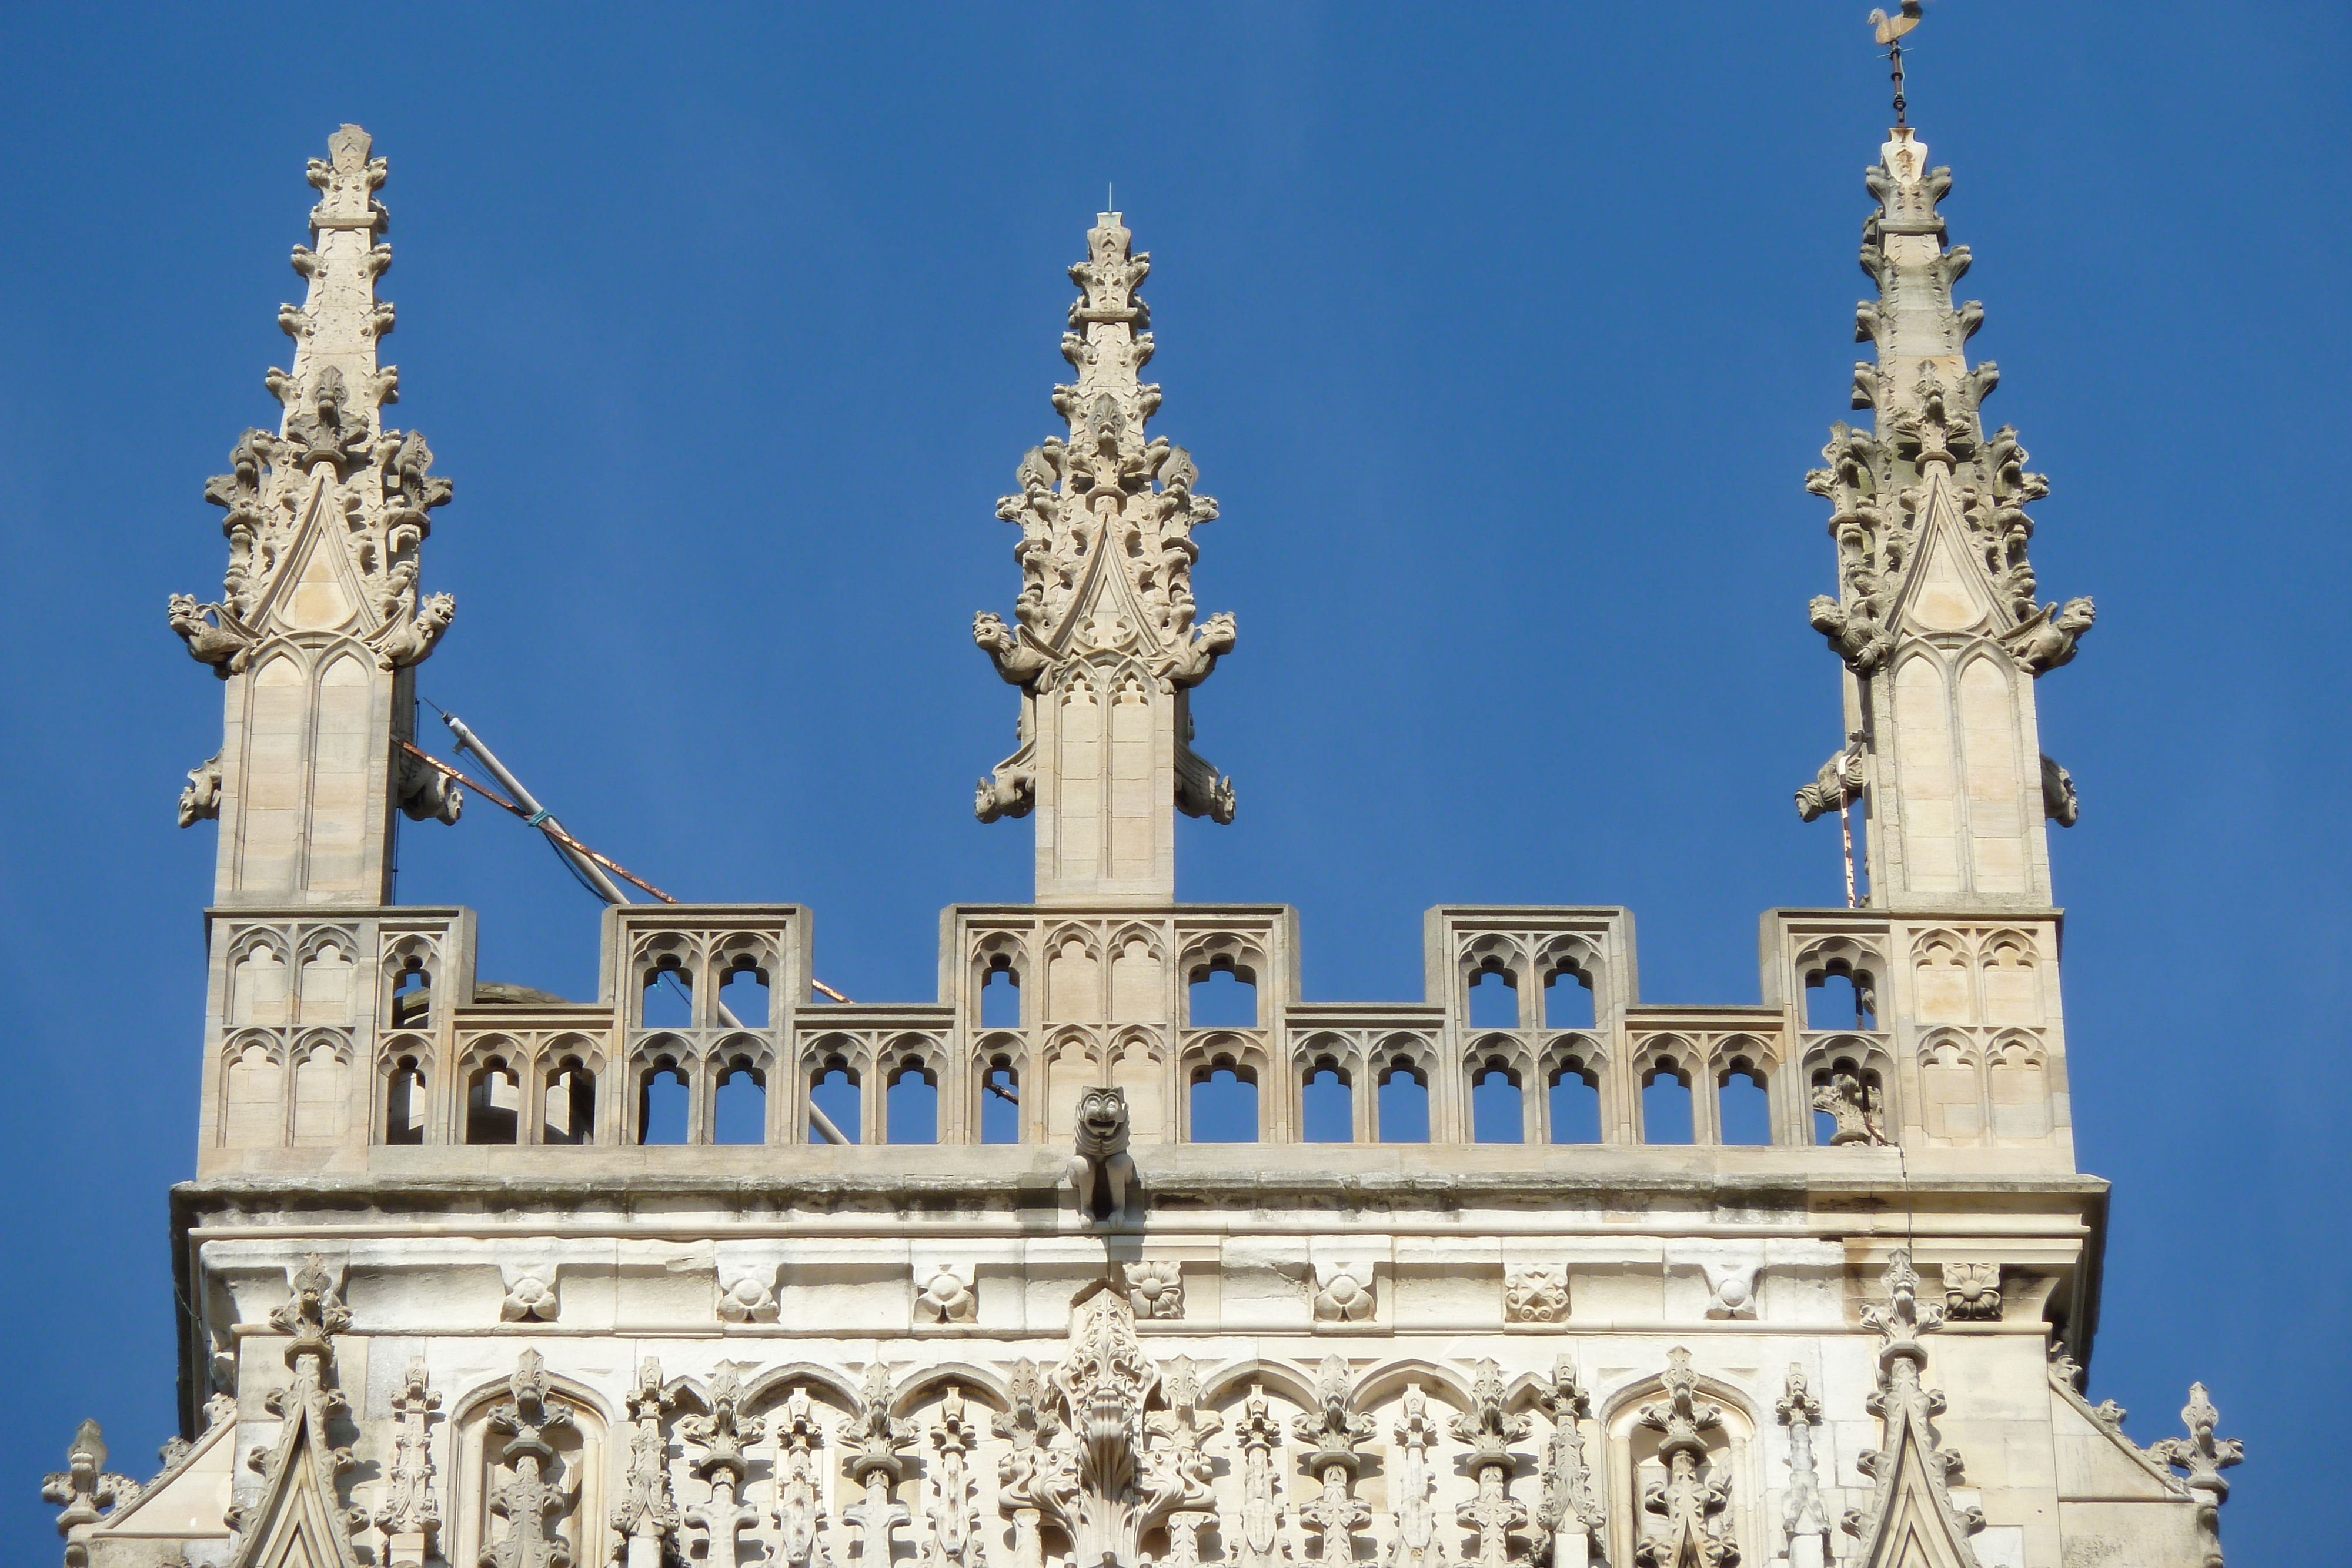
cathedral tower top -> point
(1104, 648)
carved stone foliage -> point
(1489, 1430)
(948, 1296)
(301, 1508)
(1182, 1428)
(718, 1444)
(1155, 1288)
(531, 1499)
(1685, 1527)
(1416, 1545)
(872, 1442)
(1332, 1433)
(1804, 1516)
(799, 1494)
(411, 1507)
(1568, 1506)
(1853, 1106)
(1257, 1542)
(1536, 1295)
(1911, 1517)
(323, 517)
(528, 1300)
(2203, 1457)
(646, 1515)
(86, 1490)
(1343, 1293)
(1105, 552)
(1928, 470)
(1972, 1292)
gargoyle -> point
(1102, 1172)
(1199, 791)
(409, 630)
(1839, 783)
(1017, 662)
(224, 642)
(1193, 662)
(200, 800)
(2059, 801)
(2047, 638)
(428, 794)
(1853, 634)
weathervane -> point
(1890, 33)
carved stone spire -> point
(1935, 616)
(1911, 1521)
(1104, 648)
(320, 619)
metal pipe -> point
(606, 888)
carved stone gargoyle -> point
(1102, 1172)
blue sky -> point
(1503, 336)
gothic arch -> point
(981, 1383)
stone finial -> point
(1687, 1525)
(799, 1496)
(721, 1440)
(1911, 1470)
(529, 1498)
(86, 1490)
(411, 1510)
(1804, 1516)
(1489, 1429)
(2202, 1457)
(1569, 1507)
(1104, 645)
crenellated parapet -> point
(1104, 646)
(321, 615)
(1935, 617)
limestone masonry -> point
(453, 1289)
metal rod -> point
(562, 840)
(469, 741)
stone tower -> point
(452, 1292)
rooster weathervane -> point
(1890, 33)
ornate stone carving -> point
(2046, 639)
(1730, 1287)
(1102, 1493)
(748, 1299)
(410, 1514)
(1536, 1295)
(2060, 801)
(1182, 1428)
(953, 1512)
(1343, 1293)
(1416, 1545)
(1331, 1433)
(199, 798)
(1972, 1292)
(1804, 1517)
(1490, 1430)
(1911, 1515)
(213, 633)
(1688, 1530)
(1259, 1542)
(1101, 1171)
(800, 1499)
(1104, 620)
(2203, 1456)
(1838, 784)
(1853, 1108)
(948, 1296)
(531, 1499)
(86, 1490)
(1568, 1516)
(528, 1300)
(646, 1515)
(1155, 1288)
(1031, 1426)
(871, 1440)
(722, 1437)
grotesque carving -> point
(2046, 639)
(2060, 802)
(1838, 785)
(224, 642)
(1852, 1103)
(1855, 632)
(409, 632)
(1536, 1295)
(1101, 1171)
(426, 793)
(199, 799)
